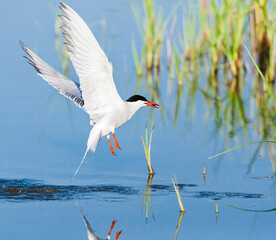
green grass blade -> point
(176, 59)
(261, 74)
(146, 140)
(150, 139)
(137, 63)
(239, 147)
(244, 209)
(254, 158)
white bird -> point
(96, 92)
(91, 235)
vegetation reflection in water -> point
(147, 198)
(182, 209)
(209, 59)
(175, 235)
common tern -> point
(91, 235)
(96, 92)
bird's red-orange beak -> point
(151, 104)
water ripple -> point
(25, 189)
(220, 195)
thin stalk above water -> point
(147, 148)
(182, 209)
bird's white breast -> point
(115, 116)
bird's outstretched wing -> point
(63, 84)
(91, 64)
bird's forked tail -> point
(92, 143)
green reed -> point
(222, 27)
(209, 46)
(182, 209)
(152, 26)
(271, 92)
(241, 145)
(262, 36)
(271, 151)
(147, 149)
(212, 39)
(244, 209)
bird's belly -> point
(112, 122)
(120, 122)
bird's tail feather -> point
(92, 143)
(94, 138)
(87, 150)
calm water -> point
(43, 139)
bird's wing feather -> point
(90, 233)
(63, 84)
(91, 64)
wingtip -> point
(62, 6)
(22, 45)
(26, 50)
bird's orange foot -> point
(118, 234)
(117, 145)
(112, 151)
(111, 148)
(116, 142)
(112, 226)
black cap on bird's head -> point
(136, 98)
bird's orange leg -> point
(118, 234)
(111, 148)
(112, 226)
(116, 142)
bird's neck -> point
(133, 107)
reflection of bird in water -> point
(96, 94)
(91, 235)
